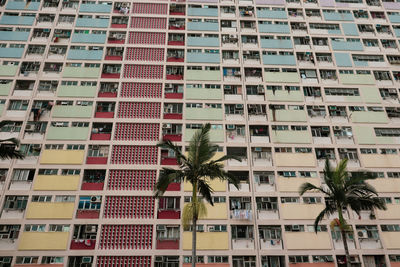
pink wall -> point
(167, 244)
(394, 264)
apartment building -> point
(90, 88)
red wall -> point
(207, 265)
(167, 244)
(317, 264)
(169, 214)
(82, 245)
(87, 214)
(92, 186)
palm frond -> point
(8, 149)
(200, 149)
(180, 157)
(205, 190)
(166, 177)
(189, 212)
(310, 187)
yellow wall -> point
(392, 212)
(207, 240)
(52, 210)
(43, 241)
(74, 157)
(306, 240)
(217, 185)
(295, 159)
(380, 161)
(385, 185)
(391, 240)
(56, 182)
(298, 211)
(293, 184)
(217, 212)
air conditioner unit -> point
(295, 227)
(30, 127)
(230, 127)
(79, 102)
(90, 229)
(95, 199)
(161, 228)
(362, 234)
(86, 259)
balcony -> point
(93, 180)
(261, 156)
(56, 183)
(43, 241)
(50, 210)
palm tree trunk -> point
(346, 247)
(194, 224)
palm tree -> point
(197, 168)
(7, 146)
(344, 191)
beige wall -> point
(295, 159)
(391, 240)
(293, 184)
(297, 211)
(380, 161)
(207, 240)
(306, 240)
(386, 185)
(392, 212)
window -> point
(218, 259)
(51, 259)
(168, 203)
(23, 175)
(290, 199)
(15, 202)
(188, 259)
(294, 228)
(70, 172)
(320, 228)
(48, 171)
(298, 259)
(322, 258)
(216, 228)
(41, 198)
(167, 232)
(34, 227)
(27, 260)
(65, 199)
(390, 228)
(59, 228)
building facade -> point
(90, 88)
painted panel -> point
(279, 60)
(380, 160)
(215, 135)
(370, 94)
(347, 46)
(8, 70)
(92, 23)
(76, 91)
(293, 184)
(9, 52)
(288, 115)
(204, 12)
(95, 8)
(22, 5)
(203, 26)
(50, 210)
(216, 185)
(282, 77)
(67, 157)
(298, 211)
(336, 16)
(394, 18)
(14, 36)
(291, 137)
(271, 14)
(343, 60)
(207, 241)
(392, 212)
(67, 133)
(273, 28)
(5, 89)
(43, 241)
(217, 212)
(203, 41)
(81, 72)
(89, 38)
(386, 185)
(72, 111)
(202, 57)
(391, 240)
(274, 43)
(79, 54)
(203, 75)
(203, 93)
(204, 114)
(284, 95)
(295, 160)
(56, 182)
(356, 78)
(365, 135)
(369, 117)
(17, 20)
